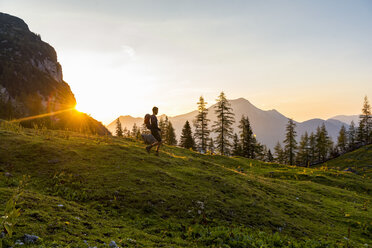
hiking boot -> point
(148, 148)
(157, 153)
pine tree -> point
(247, 139)
(352, 136)
(269, 156)
(290, 142)
(342, 144)
(201, 125)
(134, 131)
(187, 140)
(119, 130)
(170, 137)
(223, 125)
(279, 153)
(303, 153)
(365, 124)
(323, 143)
(237, 149)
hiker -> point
(155, 130)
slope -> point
(358, 161)
(91, 189)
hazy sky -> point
(307, 59)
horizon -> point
(210, 105)
(122, 58)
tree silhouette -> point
(290, 142)
(223, 125)
(119, 130)
(201, 125)
(186, 140)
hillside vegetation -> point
(90, 190)
(358, 161)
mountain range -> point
(268, 125)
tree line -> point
(318, 147)
(312, 148)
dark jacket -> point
(154, 123)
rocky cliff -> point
(31, 80)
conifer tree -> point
(134, 131)
(269, 156)
(365, 124)
(279, 153)
(170, 137)
(290, 142)
(201, 125)
(187, 140)
(342, 144)
(223, 125)
(323, 143)
(303, 153)
(119, 130)
(237, 149)
(352, 136)
(247, 139)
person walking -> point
(155, 131)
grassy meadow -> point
(86, 191)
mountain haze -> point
(268, 125)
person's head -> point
(155, 110)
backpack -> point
(147, 121)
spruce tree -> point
(279, 153)
(269, 156)
(201, 126)
(352, 136)
(187, 140)
(247, 139)
(223, 125)
(170, 137)
(323, 143)
(342, 144)
(134, 131)
(365, 124)
(303, 153)
(237, 149)
(290, 142)
(119, 130)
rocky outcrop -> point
(31, 79)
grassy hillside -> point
(358, 161)
(93, 190)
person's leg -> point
(157, 148)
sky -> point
(306, 59)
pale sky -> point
(306, 59)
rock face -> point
(30, 76)
(31, 81)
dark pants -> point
(156, 134)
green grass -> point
(111, 189)
(359, 160)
